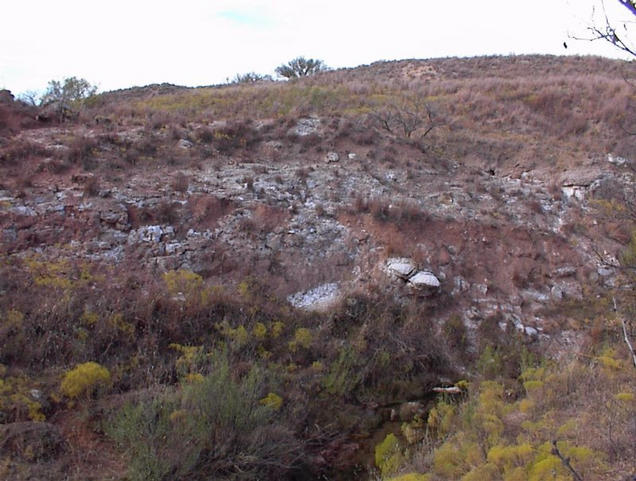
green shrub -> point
(343, 377)
(217, 428)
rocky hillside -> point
(345, 243)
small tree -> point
(300, 67)
(69, 91)
(67, 96)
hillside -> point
(317, 256)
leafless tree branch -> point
(565, 461)
(625, 336)
(608, 33)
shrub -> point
(412, 477)
(300, 67)
(250, 78)
(181, 182)
(388, 455)
(85, 379)
(235, 135)
(272, 400)
(302, 338)
(218, 428)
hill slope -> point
(337, 245)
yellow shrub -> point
(302, 338)
(549, 468)
(317, 366)
(183, 281)
(533, 385)
(194, 377)
(412, 477)
(388, 455)
(507, 457)
(16, 396)
(526, 405)
(85, 379)
(190, 357)
(277, 329)
(624, 397)
(448, 461)
(89, 318)
(482, 473)
(259, 331)
(569, 427)
(440, 418)
(273, 401)
(240, 336)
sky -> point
(125, 43)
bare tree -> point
(30, 97)
(614, 31)
(406, 117)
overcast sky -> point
(119, 43)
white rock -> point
(332, 157)
(531, 331)
(616, 160)
(149, 233)
(352, 156)
(574, 191)
(23, 210)
(400, 267)
(423, 280)
(307, 126)
(185, 144)
(557, 293)
(460, 285)
(317, 298)
(532, 295)
(565, 271)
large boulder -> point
(400, 267)
(424, 280)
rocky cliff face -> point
(505, 241)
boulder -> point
(400, 267)
(332, 157)
(424, 280)
(613, 159)
(185, 144)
